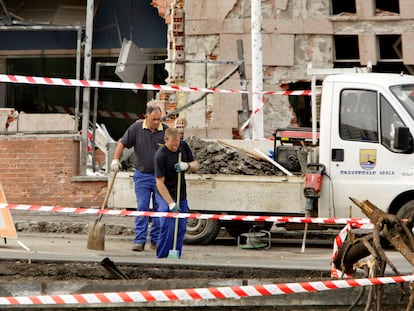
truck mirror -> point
(402, 138)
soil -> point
(215, 158)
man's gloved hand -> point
(181, 166)
(116, 166)
(174, 208)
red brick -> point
(39, 170)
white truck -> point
(364, 144)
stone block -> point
(278, 50)
(45, 122)
(225, 111)
(217, 133)
(365, 8)
(202, 10)
(282, 4)
(406, 8)
(367, 48)
(408, 48)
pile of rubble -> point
(216, 158)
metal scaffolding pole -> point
(257, 69)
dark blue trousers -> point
(145, 189)
(167, 226)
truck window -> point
(358, 118)
(389, 122)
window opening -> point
(358, 116)
(342, 7)
(390, 47)
(387, 7)
(346, 48)
(389, 122)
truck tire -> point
(201, 231)
(407, 211)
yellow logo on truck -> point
(367, 158)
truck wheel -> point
(407, 212)
(201, 231)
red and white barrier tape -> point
(117, 212)
(131, 86)
(339, 241)
(234, 292)
(245, 124)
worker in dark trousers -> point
(146, 137)
(167, 167)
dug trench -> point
(48, 278)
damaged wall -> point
(294, 32)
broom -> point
(174, 253)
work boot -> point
(138, 247)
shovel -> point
(174, 253)
(96, 229)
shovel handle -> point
(111, 185)
(178, 205)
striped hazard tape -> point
(235, 292)
(132, 86)
(228, 217)
(340, 240)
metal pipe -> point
(86, 90)
(257, 69)
(314, 117)
(95, 114)
(243, 85)
(202, 61)
(39, 27)
(189, 104)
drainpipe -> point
(257, 69)
(86, 90)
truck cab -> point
(366, 143)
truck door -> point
(363, 163)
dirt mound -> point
(215, 158)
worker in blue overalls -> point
(146, 137)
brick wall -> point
(39, 169)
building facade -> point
(326, 33)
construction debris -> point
(388, 229)
(217, 158)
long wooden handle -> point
(178, 205)
(111, 185)
(179, 183)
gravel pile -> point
(215, 158)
